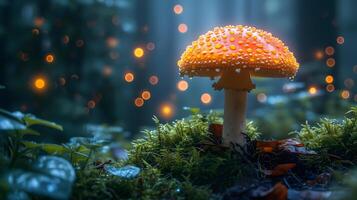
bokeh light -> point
(49, 58)
(139, 102)
(345, 94)
(39, 83)
(146, 95)
(38, 21)
(330, 88)
(182, 85)
(178, 9)
(349, 83)
(112, 42)
(129, 77)
(91, 104)
(153, 80)
(62, 81)
(79, 43)
(107, 70)
(329, 79)
(182, 28)
(261, 97)
(150, 46)
(167, 110)
(329, 51)
(35, 31)
(138, 52)
(340, 40)
(206, 98)
(319, 55)
(330, 62)
(65, 39)
(312, 90)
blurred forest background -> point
(111, 64)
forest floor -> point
(185, 160)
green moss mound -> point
(184, 150)
(179, 160)
(334, 140)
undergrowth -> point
(183, 150)
(332, 138)
(181, 160)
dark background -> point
(93, 42)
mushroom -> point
(235, 53)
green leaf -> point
(8, 121)
(46, 147)
(31, 120)
(51, 177)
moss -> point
(150, 184)
(333, 137)
(182, 150)
(179, 160)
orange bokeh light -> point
(91, 104)
(312, 90)
(319, 55)
(153, 80)
(329, 79)
(329, 51)
(138, 52)
(39, 83)
(206, 98)
(182, 28)
(166, 110)
(330, 88)
(182, 85)
(146, 95)
(139, 102)
(330, 62)
(178, 9)
(129, 77)
(50, 58)
(345, 94)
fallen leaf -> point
(278, 192)
(291, 145)
(322, 179)
(216, 130)
(280, 169)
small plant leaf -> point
(31, 120)
(53, 178)
(127, 172)
(10, 124)
(87, 142)
(48, 148)
(56, 167)
(39, 184)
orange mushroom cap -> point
(238, 48)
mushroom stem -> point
(234, 116)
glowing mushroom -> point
(235, 53)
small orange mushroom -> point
(235, 53)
